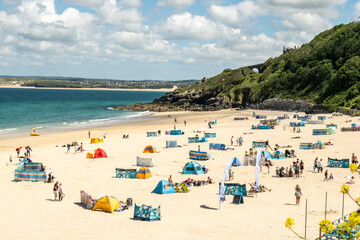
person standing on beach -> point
(56, 189)
(184, 122)
(326, 175)
(81, 147)
(18, 151)
(68, 148)
(104, 135)
(61, 193)
(298, 194)
(89, 134)
(28, 149)
(232, 140)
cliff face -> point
(323, 74)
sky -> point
(156, 39)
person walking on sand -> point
(184, 122)
(61, 192)
(326, 175)
(298, 194)
(56, 189)
(18, 151)
(104, 135)
(232, 140)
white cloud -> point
(356, 14)
(187, 27)
(235, 15)
(306, 4)
(131, 3)
(304, 21)
(178, 4)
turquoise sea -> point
(60, 109)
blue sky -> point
(156, 39)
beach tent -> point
(192, 168)
(96, 140)
(164, 187)
(107, 204)
(148, 213)
(99, 153)
(89, 155)
(266, 154)
(149, 149)
(203, 139)
(236, 162)
(278, 155)
(143, 173)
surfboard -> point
(34, 134)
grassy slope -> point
(326, 71)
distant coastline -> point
(105, 89)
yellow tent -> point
(149, 149)
(96, 140)
(143, 173)
(107, 204)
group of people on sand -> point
(239, 141)
(58, 191)
(27, 153)
(191, 182)
(77, 147)
(295, 170)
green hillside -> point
(325, 71)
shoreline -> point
(97, 89)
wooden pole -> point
(325, 204)
(305, 217)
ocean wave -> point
(8, 130)
(140, 114)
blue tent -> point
(164, 187)
(192, 168)
(278, 155)
(203, 139)
(266, 154)
(236, 162)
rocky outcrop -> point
(199, 100)
(194, 100)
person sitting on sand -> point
(331, 177)
(209, 180)
(351, 181)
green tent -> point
(330, 130)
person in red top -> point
(18, 151)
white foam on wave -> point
(8, 130)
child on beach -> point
(56, 189)
(298, 194)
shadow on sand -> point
(207, 207)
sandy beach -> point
(28, 210)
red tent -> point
(99, 153)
